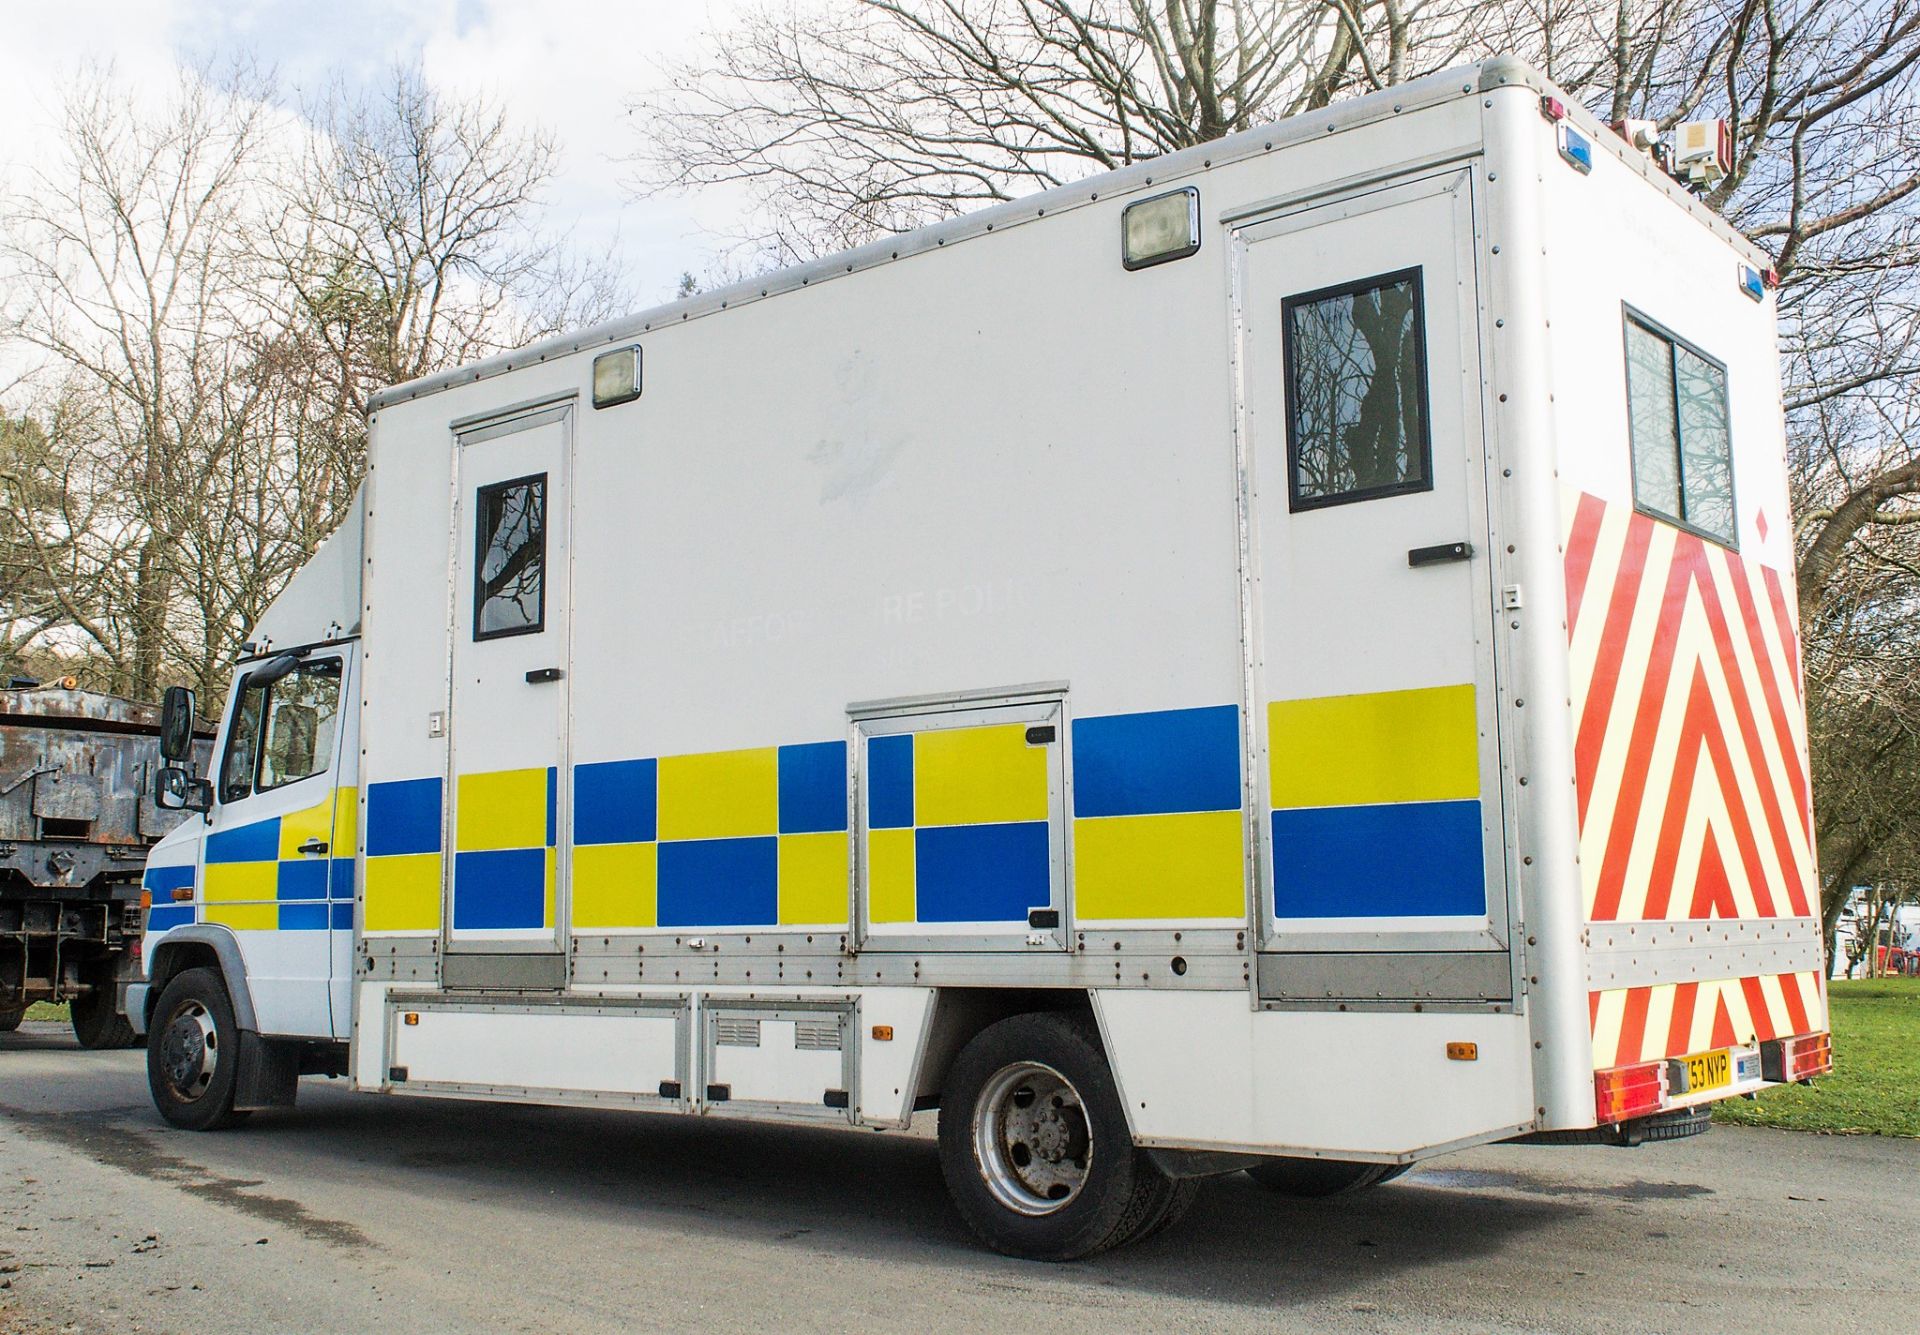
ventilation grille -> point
(736, 1033)
(816, 1036)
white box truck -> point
(1279, 657)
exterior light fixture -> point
(1166, 227)
(616, 377)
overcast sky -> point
(568, 65)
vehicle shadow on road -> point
(863, 1194)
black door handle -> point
(544, 674)
(313, 846)
(1446, 551)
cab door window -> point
(283, 729)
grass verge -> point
(1875, 1085)
(47, 1010)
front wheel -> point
(1035, 1148)
(10, 1020)
(1315, 1178)
(193, 1053)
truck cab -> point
(252, 897)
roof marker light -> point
(1753, 283)
(1552, 107)
(1575, 148)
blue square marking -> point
(890, 781)
(719, 882)
(500, 888)
(1165, 761)
(982, 873)
(303, 878)
(1394, 860)
(813, 788)
(258, 841)
(616, 802)
(403, 817)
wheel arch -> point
(198, 945)
(959, 1013)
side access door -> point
(277, 860)
(505, 918)
(1382, 859)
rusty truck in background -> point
(76, 819)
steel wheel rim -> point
(1032, 1139)
(190, 1050)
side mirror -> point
(175, 789)
(176, 724)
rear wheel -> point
(96, 1017)
(1323, 1177)
(1035, 1148)
(193, 1053)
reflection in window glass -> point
(300, 720)
(282, 730)
(1656, 444)
(1682, 446)
(1356, 391)
(243, 744)
(511, 556)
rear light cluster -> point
(1629, 1091)
(1784, 1060)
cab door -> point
(1374, 709)
(506, 886)
(277, 860)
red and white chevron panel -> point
(1640, 1024)
(1690, 765)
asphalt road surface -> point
(359, 1213)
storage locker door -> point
(506, 884)
(959, 833)
(1375, 706)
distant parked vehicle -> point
(77, 816)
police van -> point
(1281, 657)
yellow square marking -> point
(890, 873)
(978, 776)
(240, 882)
(813, 879)
(346, 821)
(1180, 867)
(504, 809)
(315, 822)
(244, 917)
(403, 893)
(615, 885)
(720, 795)
(1389, 746)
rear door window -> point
(1677, 418)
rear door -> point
(1374, 712)
(506, 914)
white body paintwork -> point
(985, 457)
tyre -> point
(1034, 1144)
(1313, 1178)
(10, 1020)
(193, 1053)
(97, 1021)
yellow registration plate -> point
(1709, 1070)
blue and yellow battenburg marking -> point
(257, 879)
(1158, 830)
(403, 856)
(1376, 805)
(957, 826)
(722, 839)
(160, 883)
(503, 852)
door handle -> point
(538, 675)
(312, 848)
(1042, 918)
(1446, 551)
